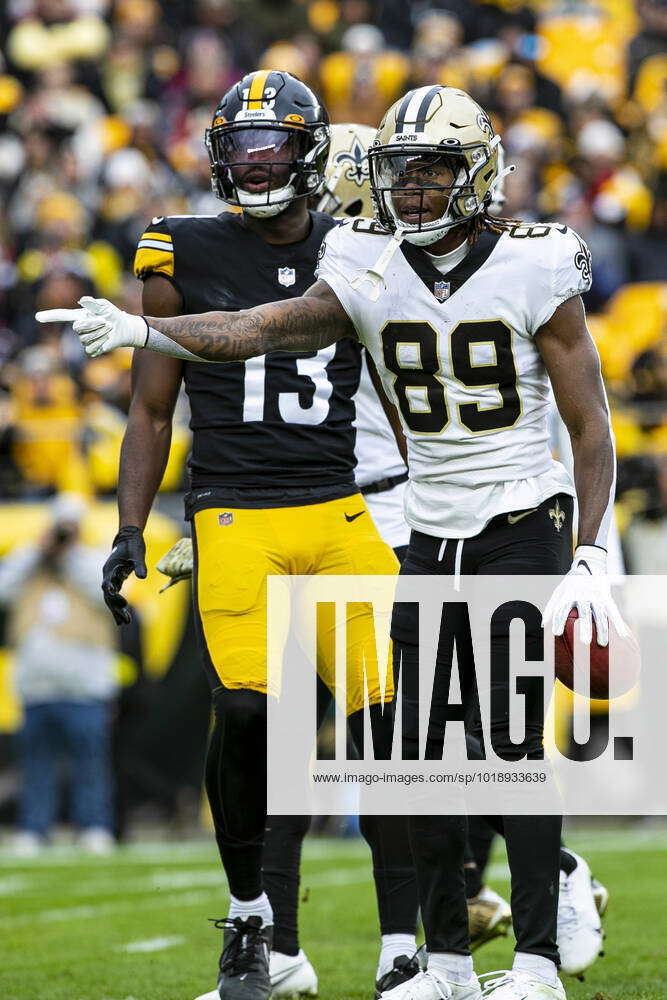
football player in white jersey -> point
(467, 319)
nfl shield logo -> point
(441, 290)
(225, 518)
(286, 276)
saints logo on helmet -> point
(268, 143)
(347, 187)
(433, 163)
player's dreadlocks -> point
(484, 221)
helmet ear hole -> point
(354, 208)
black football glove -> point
(128, 555)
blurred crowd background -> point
(103, 106)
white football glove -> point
(586, 588)
(100, 326)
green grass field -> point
(134, 927)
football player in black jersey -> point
(271, 467)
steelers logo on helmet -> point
(346, 188)
(268, 144)
(433, 163)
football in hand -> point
(625, 663)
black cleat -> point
(404, 969)
(244, 963)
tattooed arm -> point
(308, 323)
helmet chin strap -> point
(375, 275)
(424, 238)
(264, 211)
(502, 174)
(257, 205)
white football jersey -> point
(457, 354)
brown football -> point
(626, 665)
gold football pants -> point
(236, 549)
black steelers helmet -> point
(268, 143)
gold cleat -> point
(489, 916)
(177, 563)
(600, 895)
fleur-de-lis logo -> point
(484, 123)
(358, 168)
(557, 516)
(582, 259)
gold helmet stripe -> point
(256, 92)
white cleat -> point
(431, 986)
(489, 916)
(96, 840)
(213, 995)
(579, 934)
(511, 985)
(292, 975)
(27, 844)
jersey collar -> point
(434, 280)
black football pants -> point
(236, 789)
(532, 545)
(387, 837)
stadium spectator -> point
(651, 39)
(46, 417)
(649, 375)
(436, 53)
(63, 640)
(647, 248)
(361, 80)
(645, 540)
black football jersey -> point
(281, 420)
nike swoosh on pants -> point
(513, 518)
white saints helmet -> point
(346, 188)
(433, 131)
